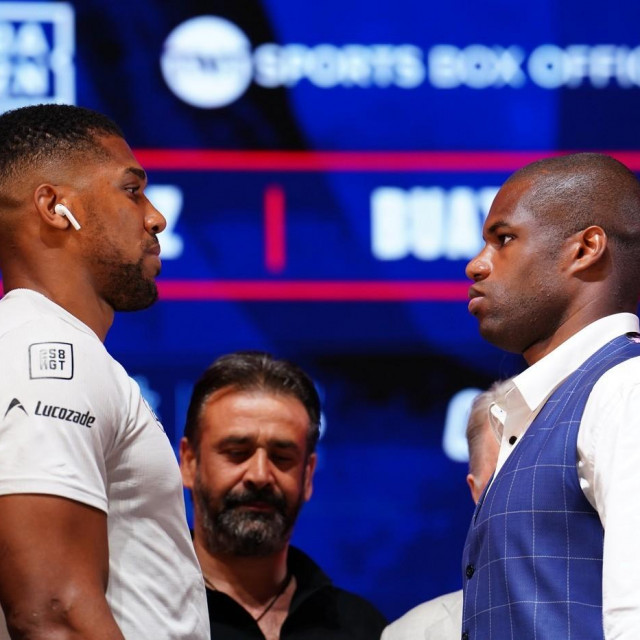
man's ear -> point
(188, 463)
(471, 481)
(310, 468)
(45, 198)
(588, 247)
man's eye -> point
(236, 453)
(282, 458)
(132, 190)
(504, 238)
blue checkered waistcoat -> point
(532, 561)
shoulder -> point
(626, 374)
(442, 615)
(616, 392)
(357, 613)
(28, 326)
(51, 356)
(348, 611)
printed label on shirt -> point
(64, 413)
(51, 360)
(15, 404)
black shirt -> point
(319, 611)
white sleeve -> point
(609, 452)
(57, 418)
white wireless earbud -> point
(61, 210)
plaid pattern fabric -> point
(532, 561)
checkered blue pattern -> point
(532, 562)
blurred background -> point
(325, 169)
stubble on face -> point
(126, 287)
(523, 315)
(230, 529)
(123, 284)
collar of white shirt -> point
(515, 411)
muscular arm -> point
(54, 566)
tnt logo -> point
(36, 53)
(51, 360)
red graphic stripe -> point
(366, 161)
(274, 229)
(314, 290)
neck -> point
(251, 581)
(596, 308)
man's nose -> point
(479, 267)
(154, 221)
(258, 471)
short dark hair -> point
(34, 134)
(248, 371)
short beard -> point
(231, 531)
(128, 288)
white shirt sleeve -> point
(609, 470)
(56, 421)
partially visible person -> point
(94, 542)
(441, 618)
(248, 457)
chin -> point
(503, 340)
(135, 300)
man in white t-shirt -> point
(93, 538)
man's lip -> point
(257, 506)
(475, 298)
(154, 250)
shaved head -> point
(570, 193)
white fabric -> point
(608, 456)
(437, 619)
(56, 376)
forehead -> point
(253, 413)
(117, 152)
(112, 157)
(512, 204)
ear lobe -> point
(471, 481)
(188, 464)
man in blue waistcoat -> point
(558, 280)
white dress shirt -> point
(437, 619)
(608, 456)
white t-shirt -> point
(73, 424)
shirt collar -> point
(540, 379)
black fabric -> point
(319, 610)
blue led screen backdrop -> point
(325, 170)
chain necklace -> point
(273, 600)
